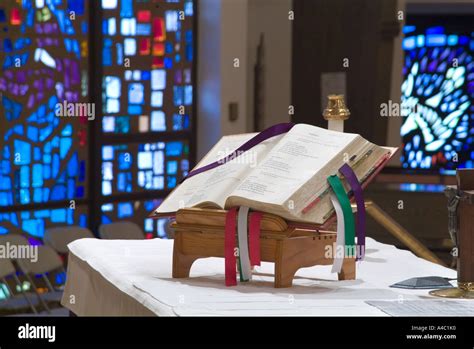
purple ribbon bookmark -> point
(356, 188)
(272, 131)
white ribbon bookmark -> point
(340, 238)
(246, 272)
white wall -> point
(234, 79)
(229, 29)
(270, 18)
(222, 37)
(209, 103)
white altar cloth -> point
(133, 277)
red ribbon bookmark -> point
(229, 248)
(254, 238)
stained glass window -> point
(43, 152)
(136, 167)
(35, 222)
(147, 91)
(437, 95)
(49, 119)
(147, 57)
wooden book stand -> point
(199, 233)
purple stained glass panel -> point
(44, 66)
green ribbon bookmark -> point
(349, 224)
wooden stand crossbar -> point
(199, 233)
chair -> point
(121, 231)
(14, 239)
(20, 240)
(59, 238)
(8, 269)
(48, 261)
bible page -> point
(300, 154)
(215, 185)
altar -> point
(134, 278)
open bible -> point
(284, 175)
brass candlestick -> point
(336, 112)
(464, 290)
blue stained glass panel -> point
(109, 4)
(137, 167)
(438, 115)
(126, 9)
(34, 223)
(125, 209)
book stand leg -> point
(294, 253)
(199, 233)
(181, 262)
(348, 271)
